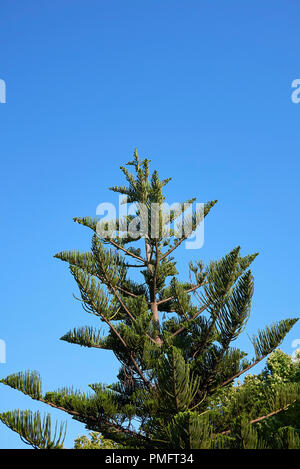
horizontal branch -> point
(117, 428)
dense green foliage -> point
(94, 441)
(173, 338)
(281, 430)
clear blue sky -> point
(203, 88)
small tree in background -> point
(94, 441)
(177, 359)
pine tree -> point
(173, 339)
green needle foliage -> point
(34, 430)
(174, 340)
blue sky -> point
(203, 89)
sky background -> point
(203, 89)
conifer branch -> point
(129, 253)
(263, 417)
(259, 419)
(107, 321)
(165, 300)
(33, 430)
(152, 287)
(166, 254)
(181, 329)
(126, 292)
(195, 223)
(120, 338)
(125, 307)
(90, 420)
(237, 375)
(114, 290)
(266, 341)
